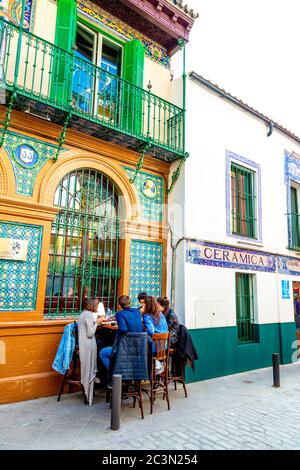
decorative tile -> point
(151, 194)
(223, 256)
(152, 49)
(11, 9)
(27, 156)
(19, 279)
(145, 269)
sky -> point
(251, 48)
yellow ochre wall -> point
(30, 341)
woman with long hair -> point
(87, 326)
(154, 322)
(171, 317)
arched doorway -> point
(84, 247)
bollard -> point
(276, 375)
(116, 402)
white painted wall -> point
(45, 19)
(159, 77)
(214, 126)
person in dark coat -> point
(129, 320)
(185, 347)
(171, 317)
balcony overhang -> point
(160, 20)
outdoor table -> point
(108, 325)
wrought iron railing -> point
(39, 70)
(294, 231)
(246, 330)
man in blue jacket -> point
(129, 320)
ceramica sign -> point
(13, 249)
(229, 257)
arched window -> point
(84, 248)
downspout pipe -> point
(174, 247)
(18, 55)
(182, 45)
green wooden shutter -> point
(133, 72)
(243, 201)
(295, 219)
(244, 307)
(65, 38)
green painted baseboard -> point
(220, 353)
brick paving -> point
(235, 412)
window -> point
(95, 88)
(243, 201)
(84, 246)
(245, 307)
(294, 219)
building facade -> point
(90, 133)
(237, 258)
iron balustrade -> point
(36, 69)
(294, 230)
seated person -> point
(155, 322)
(128, 320)
(141, 298)
(171, 317)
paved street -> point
(235, 412)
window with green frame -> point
(294, 238)
(91, 79)
(245, 302)
(243, 201)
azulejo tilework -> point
(145, 268)
(27, 156)
(11, 9)
(152, 49)
(18, 279)
(151, 194)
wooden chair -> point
(176, 371)
(159, 383)
(72, 376)
(131, 387)
(135, 391)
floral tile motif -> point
(19, 279)
(152, 49)
(27, 156)
(145, 269)
(11, 9)
(151, 194)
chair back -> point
(162, 344)
(131, 358)
(75, 333)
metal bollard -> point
(116, 402)
(276, 374)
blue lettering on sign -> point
(285, 287)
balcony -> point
(294, 231)
(57, 85)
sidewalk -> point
(240, 411)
